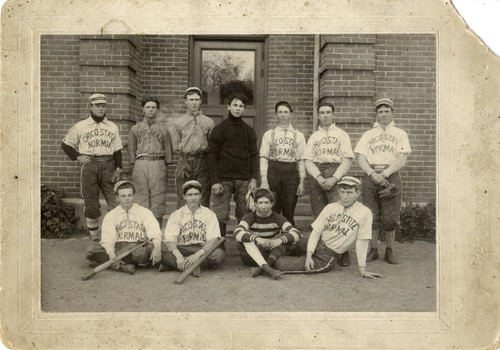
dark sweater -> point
(232, 151)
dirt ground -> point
(409, 286)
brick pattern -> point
(290, 76)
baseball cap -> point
(97, 98)
(194, 88)
(190, 184)
(384, 101)
(350, 181)
(120, 184)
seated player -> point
(191, 230)
(122, 229)
(264, 235)
(338, 226)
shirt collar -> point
(377, 124)
(92, 121)
(288, 128)
(132, 209)
(186, 210)
(331, 127)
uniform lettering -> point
(382, 143)
(130, 231)
(193, 231)
(146, 133)
(340, 224)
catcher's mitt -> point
(388, 192)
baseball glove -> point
(388, 192)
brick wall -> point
(60, 107)
(290, 76)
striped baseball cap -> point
(190, 184)
(97, 98)
(194, 88)
(384, 101)
(350, 181)
(119, 184)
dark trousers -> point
(284, 180)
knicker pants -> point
(96, 176)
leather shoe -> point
(273, 273)
(388, 256)
(196, 272)
(372, 255)
(128, 268)
(256, 271)
(345, 259)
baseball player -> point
(339, 225)
(282, 167)
(190, 136)
(382, 153)
(190, 231)
(328, 157)
(150, 151)
(95, 142)
(264, 235)
(123, 228)
(233, 162)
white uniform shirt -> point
(382, 147)
(186, 228)
(92, 138)
(328, 146)
(135, 225)
(287, 145)
(342, 226)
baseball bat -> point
(108, 263)
(198, 262)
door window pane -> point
(225, 72)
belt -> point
(326, 165)
(379, 167)
(284, 161)
(103, 158)
(150, 157)
(192, 155)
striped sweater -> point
(273, 226)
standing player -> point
(123, 228)
(190, 135)
(190, 232)
(338, 226)
(264, 235)
(328, 157)
(150, 151)
(282, 167)
(233, 161)
(96, 144)
(382, 152)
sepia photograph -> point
(247, 175)
(330, 88)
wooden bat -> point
(198, 262)
(108, 263)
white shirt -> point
(92, 138)
(288, 146)
(135, 225)
(382, 147)
(328, 146)
(340, 227)
(186, 228)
